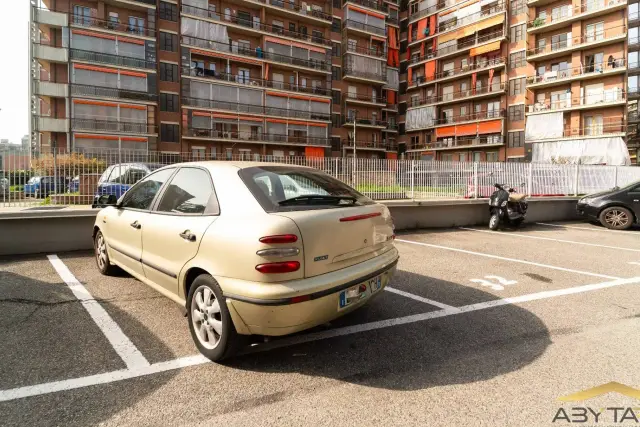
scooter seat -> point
(516, 197)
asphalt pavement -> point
(476, 328)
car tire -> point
(494, 222)
(102, 255)
(518, 222)
(209, 319)
(616, 218)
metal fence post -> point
(413, 171)
(576, 177)
(530, 180)
(475, 180)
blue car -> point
(117, 179)
(42, 186)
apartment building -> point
(217, 79)
(486, 80)
(633, 71)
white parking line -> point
(109, 377)
(419, 298)
(549, 238)
(127, 351)
(521, 261)
(606, 230)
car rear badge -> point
(321, 258)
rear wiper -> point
(314, 198)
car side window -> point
(118, 174)
(134, 175)
(142, 194)
(105, 175)
(188, 192)
(635, 189)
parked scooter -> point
(506, 207)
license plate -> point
(375, 284)
(358, 292)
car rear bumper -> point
(279, 315)
(587, 211)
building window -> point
(515, 139)
(335, 143)
(517, 33)
(517, 60)
(492, 156)
(336, 24)
(516, 86)
(169, 132)
(168, 42)
(197, 154)
(335, 120)
(244, 75)
(336, 97)
(415, 140)
(317, 36)
(518, 7)
(335, 49)
(516, 112)
(515, 160)
(335, 73)
(168, 72)
(337, 3)
(168, 11)
(169, 102)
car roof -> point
(227, 165)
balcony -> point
(460, 143)
(112, 26)
(50, 17)
(253, 109)
(483, 92)
(113, 126)
(350, 24)
(587, 41)
(465, 118)
(112, 93)
(431, 10)
(595, 100)
(556, 77)
(146, 3)
(51, 124)
(368, 99)
(259, 137)
(297, 9)
(252, 27)
(614, 126)
(365, 122)
(370, 145)
(110, 59)
(633, 92)
(54, 90)
(272, 84)
(589, 9)
(458, 47)
(50, 53)
(371, 4)
(480, 66)
(366, 76)
(391, 127)
(376, 52)
(257, 52)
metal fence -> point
(65, 178)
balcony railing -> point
(467, 44)
(254, 109)
(355, 25)
(107, 58)
(255, 136)
(257, 52)
(369, 75)
(431, 10)
(365, 50)
(372, 4)
(302, 8)
(90, 22)
(392, 126)
(248, 23)
(595, 99)
(577, 10)
(459, 142)
(371, 145)
(109, 92)
(479, 115)
(482, 64)
(497, 89)
(365, 121)
(150, 2)
(466, 20)
(112, 126)
(583, 70)
(216, 75)
(579, 41)
(608, 126)
(366, 98)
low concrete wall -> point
(30, 232)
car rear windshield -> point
(290, 188)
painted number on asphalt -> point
(496, 283)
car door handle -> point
(187, 235)
(136, 225)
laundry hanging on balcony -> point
(594, 151)
(419, 118)
(544, 126)
(204, 30)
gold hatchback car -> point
(248, 248)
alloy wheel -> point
(206, 317)
(616, 218)
(101, 251)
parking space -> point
(467, 307)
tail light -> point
(278, 267)
(281, 238)
(359, 217)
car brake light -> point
(359, 217)
(278, 267)
(281, 238)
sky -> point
(14, 69)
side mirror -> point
(107, 200)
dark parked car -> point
(618, 208)
(117, 179)
(42, 186)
